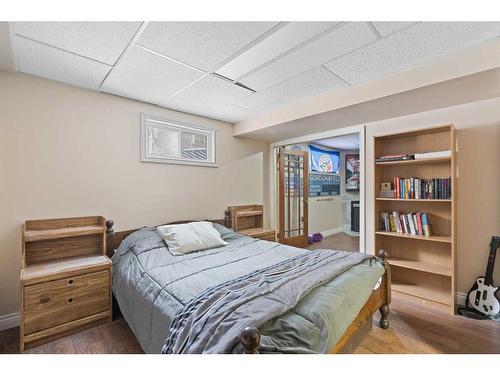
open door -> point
(293, 194)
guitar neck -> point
(495, 243)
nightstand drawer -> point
(268, 237)
(56, 302)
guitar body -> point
(483, 298)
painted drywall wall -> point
(478, 182)
(66, 151)
(325, 214)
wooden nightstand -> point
(260, 233)
(65, 278)
(248, 220)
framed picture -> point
(352, 172)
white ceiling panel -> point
(342, 40)
(386, 28)
(313, 82)
(102, 41)
(413, 46)
(207, 96)
(228, 113)
(286, 38)
(201, 44)
(209, 91)
(44, 61)
(147, 76)
(342, 142)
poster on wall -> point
(352, 172)
(324, 161)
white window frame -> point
(146, 120)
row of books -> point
(420, 156)
(411, 223)
(419, 188)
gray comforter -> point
(310, 311)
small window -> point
(164, 141)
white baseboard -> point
(332, 231)
(460, 298)
(9, 321)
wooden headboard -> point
(114, 239)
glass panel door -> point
(293, 195)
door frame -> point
(273, 186)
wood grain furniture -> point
(248, 220)
(422, 267)
(65, 278)
(293, 197)
(260, 233)
(379, 300)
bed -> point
(151, 288)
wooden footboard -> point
(378, 300)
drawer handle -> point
(70, 300)
(44, 299)
(71, 282)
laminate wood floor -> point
(339, 241)
(415, 328)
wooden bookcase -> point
(423, 267)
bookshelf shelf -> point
(415, 200)
(431, 294)
(423, 267)
(249, 213)
(445, 159)
(416, 237)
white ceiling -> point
(232, 71)
(342, 142)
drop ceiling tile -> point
(410, 47)
(227, 113)
(102, 41)
(386, 28)
(274, 45)
(44, 61)
(341, 142)
(148, 77)
(201, 44)
(210, 97)
(342, 40)
(313, 82)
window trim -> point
(145, 118)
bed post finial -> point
(250, 339)
(382, 255)
(109, 227)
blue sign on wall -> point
(321, 184)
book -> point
(398, 157)
(419, 188)
(413, 223)
(431, 155)
(426, 225)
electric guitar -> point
(483, 297)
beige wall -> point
(324, 213)
(66, 151)
(478, 182)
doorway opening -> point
(324, 203)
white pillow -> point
(186, 238)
